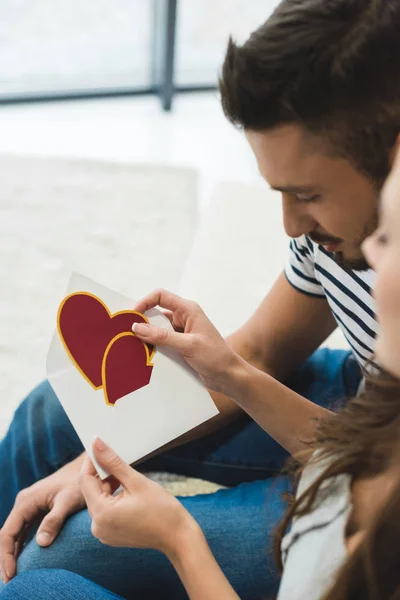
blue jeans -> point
(238, 522)
(55, 584)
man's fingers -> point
(53, 522)
(21, 515)
(17, 549)
(170, 316)
(7, 560)
(8, 567)
(9, 548)
(176, 320)
(50, 528)
(158, 336)
(164, 299)
(19, 544)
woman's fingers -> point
(88, 467)
(91, 486)
(110, 485)
(95, 491)
(114, 465)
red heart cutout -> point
(123, 370)
(87, 329)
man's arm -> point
(283, 332)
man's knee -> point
(48, 583)
(41, 414)
(35, 557)
(73, 546)
(40, 406)
(42, 400)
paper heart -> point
(89, 331)
(123, 370)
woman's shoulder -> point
(314, 468)
(333, 498)
(314, 547)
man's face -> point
(323, 197)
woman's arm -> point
(145, 515)
(198, 570)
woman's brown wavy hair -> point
(360, 441)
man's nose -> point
(297, 219)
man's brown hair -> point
(331, 66)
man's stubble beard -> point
(358, 264)
(351, 264)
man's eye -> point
(307, 199)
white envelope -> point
(174, 401)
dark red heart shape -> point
(123, 370)
(88, 329)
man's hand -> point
(194, 337)
(57, 497)
(283, 414)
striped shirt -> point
(313, 271)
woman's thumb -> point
(111, 462)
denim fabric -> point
(237, 522)
(54, 583)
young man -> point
(317, 91)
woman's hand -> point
(143, 515)
(195, 338)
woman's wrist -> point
(197, 568)
(185, 541)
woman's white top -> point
(315, 549)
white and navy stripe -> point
(312, 270)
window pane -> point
(202, 34)
(58, 45)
